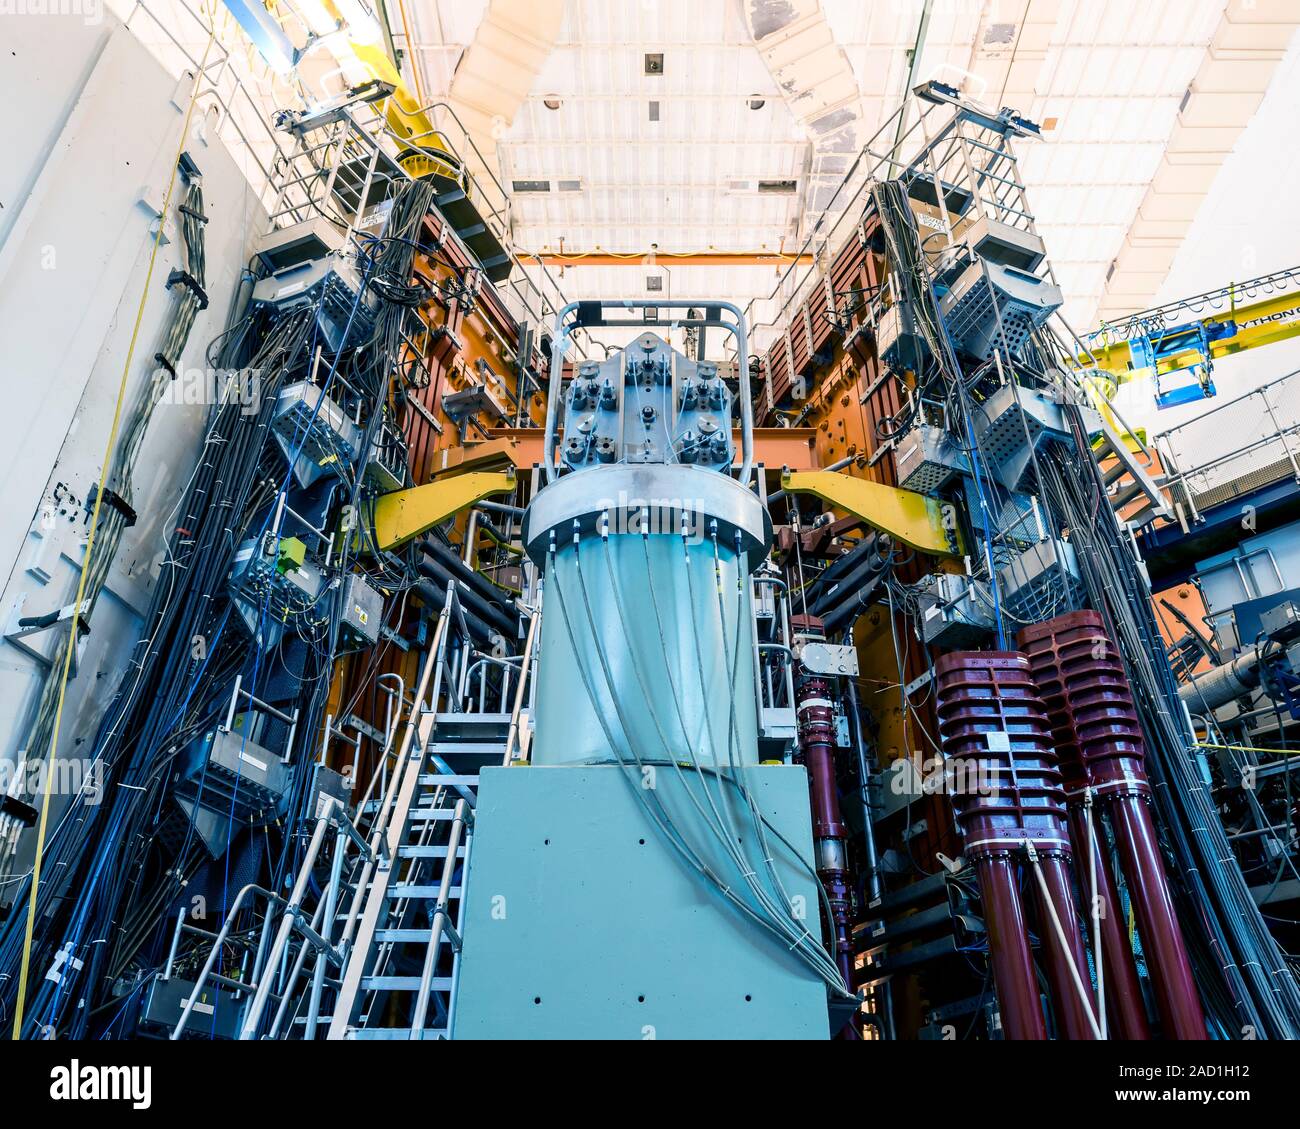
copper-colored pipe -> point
(1012, 963)
(1177, 999)
(1124, 1006)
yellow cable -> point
(1251, 749)
(90, 541)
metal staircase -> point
(1129, 479)
(375, 953)
(399, 981)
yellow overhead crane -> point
(1178, 343)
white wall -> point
(1245, 228)
(90, 125)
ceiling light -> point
(551, 102)
(654, 63)
(756, 102)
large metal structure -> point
(501, 689)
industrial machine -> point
(526, 676)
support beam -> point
(403, 515)
(571, 259)
(926, 524)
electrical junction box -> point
(330, 785)
(1012, 425)
(1041, 582)
(830, 659)
(999, 242)
(315, 431)
(332, 286)
(955, 611)
(230, 776)
(897, 342)
(386, 461)
(303, 242)
(217, 1014)
(269, 589)
(582, 922)
(926, 459)
(362, 613)
(992, 307)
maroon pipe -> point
(1006, 789)
(816, 716)
(1095, 724)
(1177, 999)
(1128, 1016)
(1074, 1012)
(1009, 955)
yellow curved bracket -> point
(926, 524)
(403, 515)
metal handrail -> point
(526, 669)
(1168, 449)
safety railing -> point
(277, 967)
(516, 735)
(944, 140)
(235, 108)
(1263, 428)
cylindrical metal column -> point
(1009, 956)
(1006, 789)
(1171, 972)
(1128, 1015)
(816, 716)
(647, 638)
(1095, 724)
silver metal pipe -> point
(287, 921)
(1223, 684)
(460, 815)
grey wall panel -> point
(74, 251)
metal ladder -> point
(299, 935)
(407, 908)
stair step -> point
(403, 983)
(448, 780)
(468, 747)
(1143, 516)
(1113, 473)
(403, 936)
(395, 1033)
(418, 890)
(1126, 494)
(427, 815)
(427, 851)
(472, 726)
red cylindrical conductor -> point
(1006, 788)
(1095, 724)
(1009, 954)
(1123, 992)
(816, 715)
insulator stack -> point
(816, 716)
(1095, 725)
(1006, 788)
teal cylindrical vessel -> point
(647, 638)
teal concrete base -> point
(583, 923)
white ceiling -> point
(1105, 78)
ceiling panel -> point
(1107, 78)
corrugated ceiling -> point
(673, 159)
